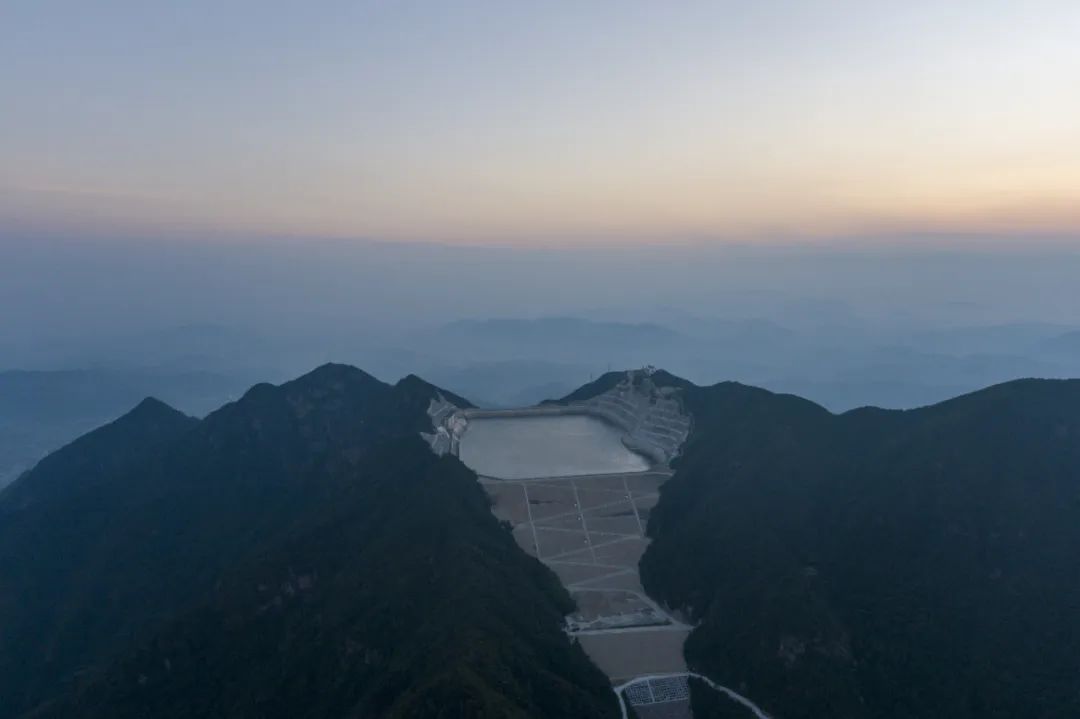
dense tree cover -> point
(402, 597)
(298, 553)
(879, 563)
(57, 606)
(707, 703)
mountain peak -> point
(411, 383)
(152, 407)
(333, 373)
(101, 454)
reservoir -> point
(546, 446)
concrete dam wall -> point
(651, 419)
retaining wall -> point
(651, 418)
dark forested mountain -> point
(299, 552)
(879, 563)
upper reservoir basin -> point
(546, 446)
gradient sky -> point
(539, 122)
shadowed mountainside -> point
(879, 563)
(299, 552)
(42, 411)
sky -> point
(554, 123)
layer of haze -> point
(554, 122)
(860, 202)
(89, 326)
(71, 303)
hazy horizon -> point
(123, 285)
(860, 202)
(845, 324)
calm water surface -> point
(553, 446)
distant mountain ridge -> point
(570, 340)
(546, 329)
(1067, 344)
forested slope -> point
(880, 563)
(297, 553)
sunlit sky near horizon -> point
(534, 122)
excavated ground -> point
(590, 531)
(589, 526)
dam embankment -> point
(650, 420)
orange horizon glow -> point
(616, 123)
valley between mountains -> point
(337, 546)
